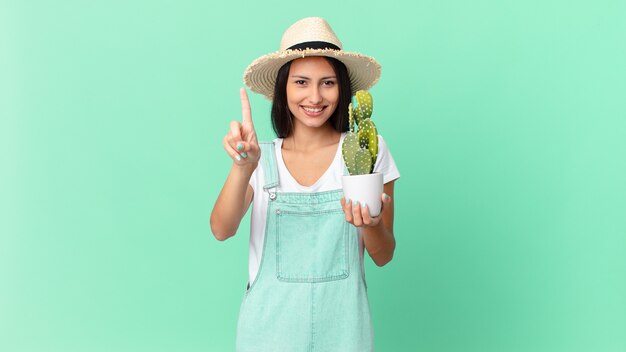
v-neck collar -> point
(281, 161)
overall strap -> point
(268, 164)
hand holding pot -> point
(359, 216)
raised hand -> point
(241, 143)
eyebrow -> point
(305, 77)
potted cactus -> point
(360, 150)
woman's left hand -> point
(359, 216)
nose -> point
(315, 97)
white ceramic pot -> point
(366, 189)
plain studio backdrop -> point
(507, 120)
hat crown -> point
(311, 29)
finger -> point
(235, 131)
(241, 146)
(348, 210)
(367, 219)
(245, 149)
(250, 143)
(356, 214)
(344, 207)
(250, 136)
(245, 108)
(253, 144)
(386, 199)
(230, 150)
(235, 139)
(365, 215)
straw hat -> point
(310, 37)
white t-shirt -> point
(330, 180)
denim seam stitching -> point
(284, 277)
(258, 274)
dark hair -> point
(281, 116)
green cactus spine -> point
(360, 146)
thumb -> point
(386, 198)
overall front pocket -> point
(311, 246)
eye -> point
(300, 82)
(329, 83)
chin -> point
(317, 122)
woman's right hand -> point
(241, 143)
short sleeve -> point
(254, 179)
(385, 163)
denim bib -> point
(310, 292)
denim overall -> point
(310, 292)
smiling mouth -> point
(312, 109)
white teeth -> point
(312, 110)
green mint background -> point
(507, 120)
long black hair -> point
(281, 116)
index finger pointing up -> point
(245, 107)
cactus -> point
(351, 119)
(365, 103)
(363, 162)
(349, 149)
(368, 138)
(360, 146)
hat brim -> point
(260, 76)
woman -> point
(306, 289)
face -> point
(312, 91)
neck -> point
(304, 139)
